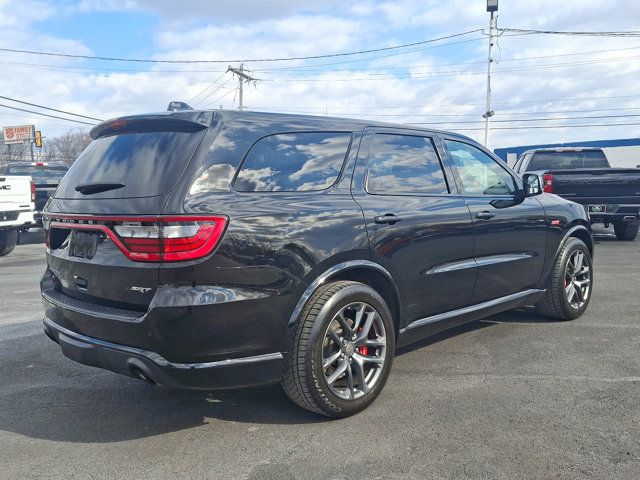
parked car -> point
(17, 195)
(45, 175)
(217, 249)
(584, 175)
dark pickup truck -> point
(45, 175)
(584, 175)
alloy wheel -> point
(354, 351)
(577, 280)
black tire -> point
(626, 231)
(304, 378)
(8, 241)
(555, 303)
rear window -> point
(293, 162)
(568, 160)
(39, 174)
(147, 164)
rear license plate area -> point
(83, 244)
(596, 208)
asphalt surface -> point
(513, 396)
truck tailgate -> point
(620, 185)
(15, 193)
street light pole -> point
(492, 7)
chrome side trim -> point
(470, 309)
(452, 266)
(313, 286)
(479, 262)
(508, 257)
(157, 358)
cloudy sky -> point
(441, 83)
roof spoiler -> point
(162, 122)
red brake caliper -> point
(363, 350)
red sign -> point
(18, 134)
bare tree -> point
(67, 147)
(64, 148)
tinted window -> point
(559, 160)
(404, 164)
(290, 162)
(45, 174)
(146, 163)
(479, 173)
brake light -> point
(39, 164)
(33, 192)
(547, 183)
(155, 239)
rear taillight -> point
(547, 183)
(33, 192)
(156, 239)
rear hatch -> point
(102, 223)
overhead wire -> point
(254, 60)
(45, 114)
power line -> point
(474, 114)
(309, 68)
(202, 100)
(276, 59)
(552, 126)
(411, 76)
(221, 97)
(208, 87)
(46, 115)
(48, 108)
(629, 33)
(528, 119)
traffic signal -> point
(38, 141)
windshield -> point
(39, 174)
(568, 160)
(147, 164)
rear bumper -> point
(613, 212)
(23, 218)
(152, 367)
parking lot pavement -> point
(512, 396)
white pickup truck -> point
(17, 197)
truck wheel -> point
(626, 231)
(8, 240)
(342, 350)
(570, 284)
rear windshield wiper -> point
(91, 188)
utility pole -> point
(492, 7)
(243, 77)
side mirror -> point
(532, 184)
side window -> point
(480, 174)
(293, 162)
(404, 164)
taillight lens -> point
(156, 239)
(33, 192)
(547, 180)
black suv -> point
(205, 249)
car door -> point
(510, 231)
(418, 228)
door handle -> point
(485, 215)
(387, 219)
